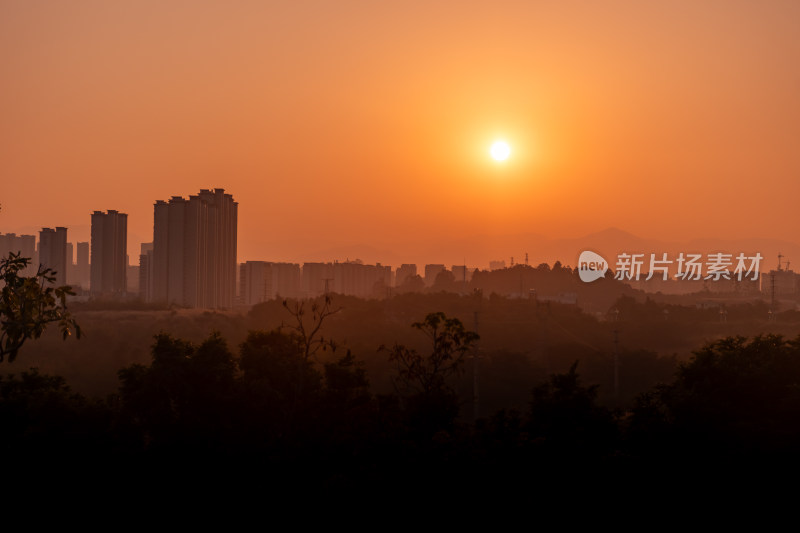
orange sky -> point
(360, 122)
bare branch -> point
(308, 331)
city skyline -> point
(192, 263)
(438, 244)
(565, 251)
(358, 125)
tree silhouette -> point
(412, 284)
(346, 380)
(737, 397)
(187, 394)
(445, 281)
(29, 304)
(427, 374)
(43, 420)
(565, 417)
(431, 405)
(274, 367)
(307, 328)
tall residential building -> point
(82, 265)
(357, 279)
(146, 272)
(194, 250)
(317, 278)
(53, 252)
(500, 264)
(461, 273)
(352, 278)
(260, 281)
(72, 278)
(25, 245)
(109, 252)
(404, 272)
(431, 271)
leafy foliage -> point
(427, 373)
(565, 416)
(186, 393)
(274, 367)
(29, 304)
(42, 419)
(736, 396)
(346, 379)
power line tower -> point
(327, 287)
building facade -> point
(82, 265)
(25, 245)
(108, 270)
(431, 271)
(354, 278)
(146, 272)
(194, 250)
(262, 280)
(53, 252)
(404, 272)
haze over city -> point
(353, 125)
(537, 246)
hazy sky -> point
(347, 122)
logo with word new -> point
(591, 266)
(716, 266)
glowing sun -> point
(500, 150)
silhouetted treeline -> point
(522, 340)
(557, 283)
(264, 406)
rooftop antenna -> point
(780, 256)
(526, 258)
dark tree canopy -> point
(565, 415)
(29, 304)
(427, 374)
(737, 397)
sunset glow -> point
(334, 116)
(407, 248)
(500, 150)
